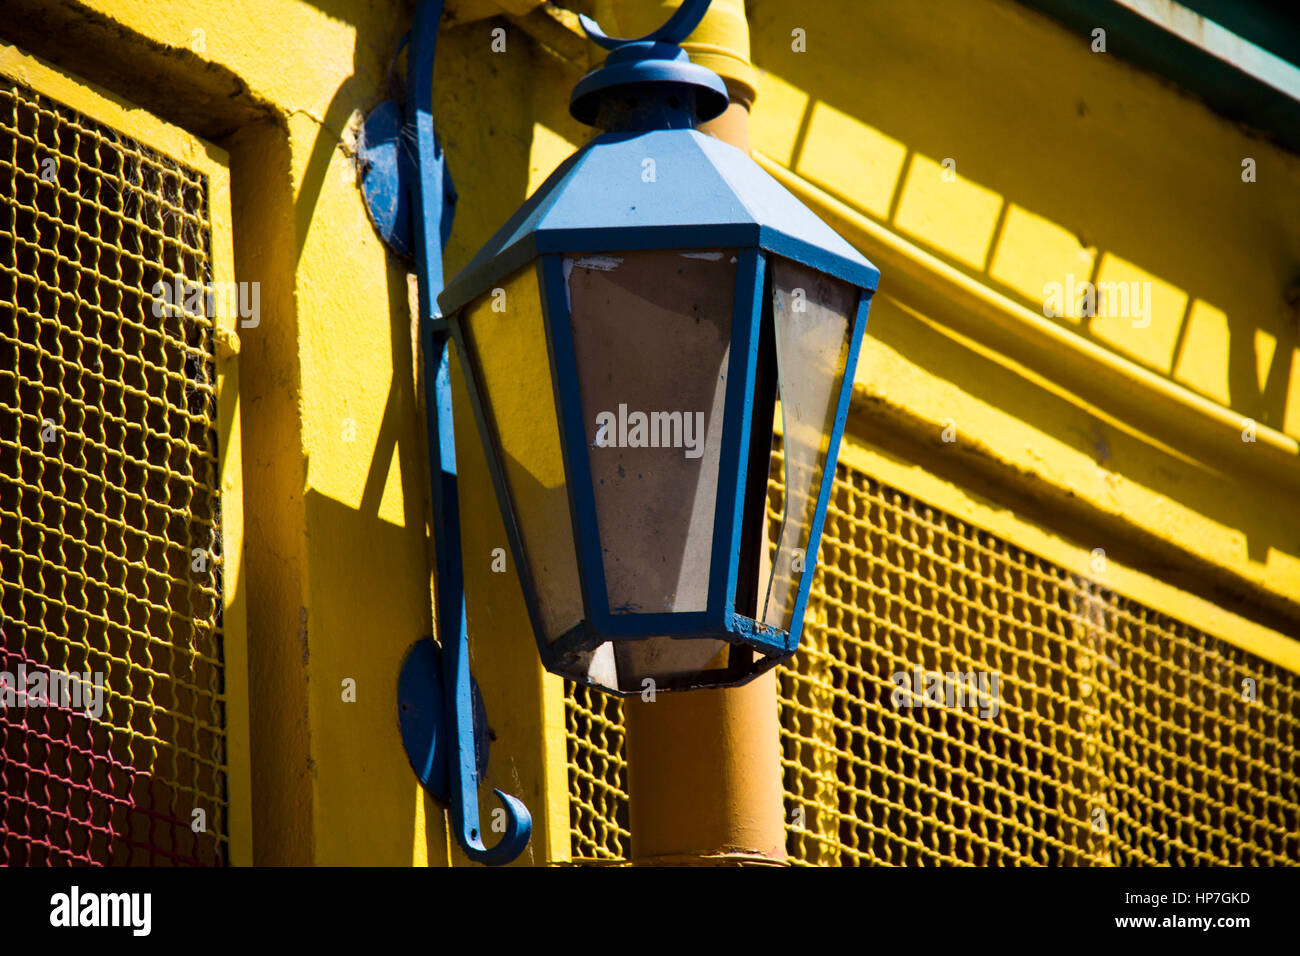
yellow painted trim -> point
(213, 162)
(1205, 616)
(1110, 381)
(113, 111)
(555, 771)
(234, 586)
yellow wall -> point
(1066, 162)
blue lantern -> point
(658, 327)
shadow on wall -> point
(1094, 205)
(364, 517)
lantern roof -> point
(660, 189)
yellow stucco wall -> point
(1059, 168)
(1063, 162)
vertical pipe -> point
(704, 767)
(705, 777)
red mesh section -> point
(67, 799)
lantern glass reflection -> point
(505, 338)
(651, 338)
(811, 315)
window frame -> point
(214, 163)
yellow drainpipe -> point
(704, 767)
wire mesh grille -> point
(1094, 730)
(110, 562)
(959, 700)
(598, 808)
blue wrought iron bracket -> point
(411, 200)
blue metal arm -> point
(428, 232)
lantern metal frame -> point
(584, 208)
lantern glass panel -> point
(812, 315)
(651, 338)
(623, 665)
(505, 336)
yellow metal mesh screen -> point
(597, 775)
(1119, 735)
(1114, 734)
(109, 512)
